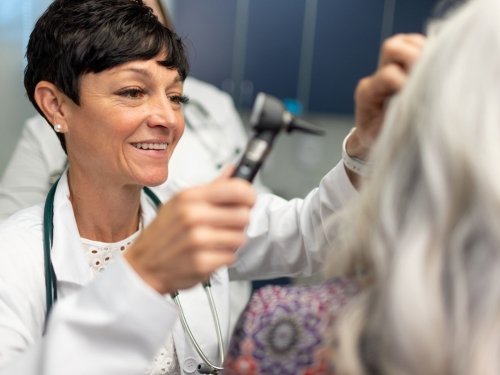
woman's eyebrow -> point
(144, 72)
(147, 73)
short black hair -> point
(75, 37)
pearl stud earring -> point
(57, 128)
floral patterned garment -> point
(281, 331)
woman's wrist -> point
(352, 161)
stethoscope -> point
(207, 367)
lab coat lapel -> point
(67, 253)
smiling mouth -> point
(151, 146)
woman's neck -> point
(104, 212)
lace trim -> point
(165, 361)
(99, 254)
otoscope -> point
(269, 117)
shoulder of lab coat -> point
(293, 238)
(218, 104)
(37, 156)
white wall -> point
(16, 20)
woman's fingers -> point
(225, 191)
(398, 55)
(194, 234)
(402, 49)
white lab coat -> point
(115, 323)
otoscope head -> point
(268, 118)
(269, 114)
(304, 127)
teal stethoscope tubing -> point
(48, 235)
(51, 279)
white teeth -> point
(151, 146)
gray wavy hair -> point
(424, 236)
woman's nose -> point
(163, 112)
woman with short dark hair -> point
(108, 77)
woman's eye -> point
(133, 93)
(179, 99)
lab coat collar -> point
(68, 258)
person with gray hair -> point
(429, 215)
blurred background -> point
(309, 53)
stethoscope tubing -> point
(208, 290)
(48, 231)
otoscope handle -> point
(255, 154)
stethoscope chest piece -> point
(203, 368)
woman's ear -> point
(50, 100)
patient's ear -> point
(51, 101)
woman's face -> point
(127, 124)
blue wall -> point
(247, 46)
